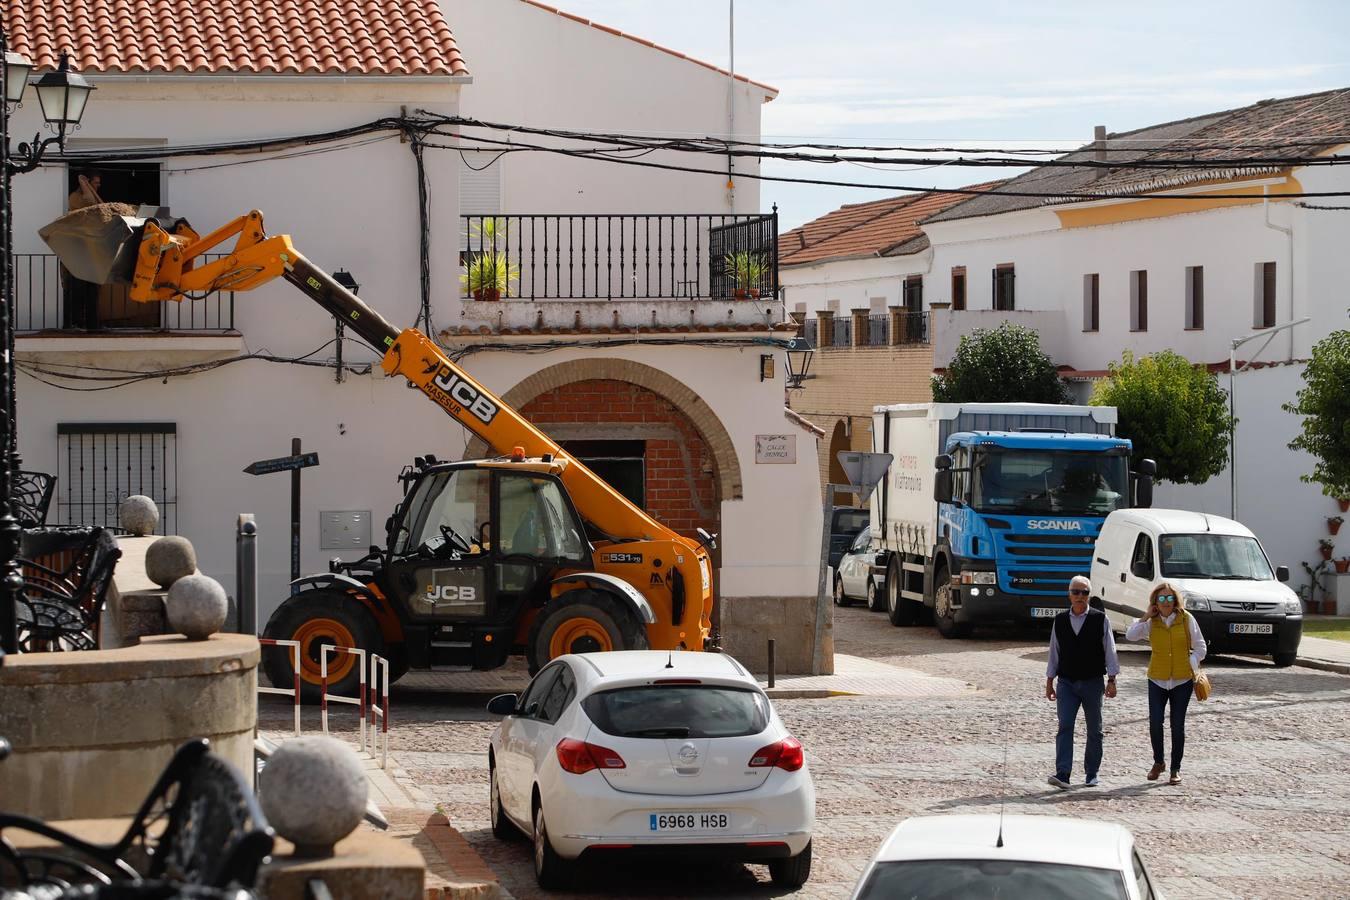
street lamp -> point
(799, 353)
(1269, 335)
(62, 94)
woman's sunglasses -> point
(1167, 598)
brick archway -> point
(727, 467)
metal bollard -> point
(771, 665)
(246, 574)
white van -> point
(1239, 602)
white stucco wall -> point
(535, 67)
(854, 283)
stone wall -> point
(92, 731)
(846, 383)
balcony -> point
(624, 272)
(898, 328)
(50, 303)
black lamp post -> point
(62, 95)
(799, 352)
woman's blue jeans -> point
(1178, 698)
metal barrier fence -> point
(371, 701)
(294, 690)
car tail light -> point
(579, 757)
(785, 754)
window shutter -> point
(480, 190)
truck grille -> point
(1034, 581)
(1058, 552)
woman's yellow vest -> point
(1171, 645)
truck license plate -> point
(1245, 628)
(688, 821)
(1045, 612)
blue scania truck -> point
(988, 509)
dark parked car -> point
(845, 523)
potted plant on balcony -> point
(488, 272)
(1326, 547)
(746, 269)
(1334, 523)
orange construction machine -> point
(526, 552)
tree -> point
(1002, 365)
(1324, 403)
(1173, 411)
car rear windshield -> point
(988, 879)
(678, 711)
(851, 521)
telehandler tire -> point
(583, 622)
(315, 618)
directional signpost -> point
(293, 464)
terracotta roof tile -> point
(773, 91)
(1290, 126)
(340, 37)
(879, 228)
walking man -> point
(1082, 653)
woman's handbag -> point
(1202, 685)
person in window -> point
(1083, 488)
(1178, 646)
(1083, 659)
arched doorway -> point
(839, 442)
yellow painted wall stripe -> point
(1161, 207)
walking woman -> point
(1178, 646)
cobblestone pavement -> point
(1263, 810)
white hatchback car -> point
(993, 856)
(648, 751)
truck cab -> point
(1018, 515)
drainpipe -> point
(1289, 234)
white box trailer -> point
(920, 541)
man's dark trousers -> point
(1069, 696)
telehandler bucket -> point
(98, 243)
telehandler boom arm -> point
(160, 260)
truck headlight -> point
(1196, 601)
(979, 578)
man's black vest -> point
(1081, 655)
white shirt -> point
(1138, 631)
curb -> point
(1324, 665)
(806, 693)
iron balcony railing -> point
(48, 299)
(617, 257)
(876, 331)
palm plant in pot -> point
(746, 269)
(488, 272)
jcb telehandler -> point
(527, 552)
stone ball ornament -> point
(313, 791)
(196, 606)
(138, 514)
(169, 559)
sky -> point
(1030, 73)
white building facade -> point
(184, 436)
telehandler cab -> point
(527, 552)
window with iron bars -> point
(100, 464)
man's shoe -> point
(1175, 779)
(1154, 772)
(1093, 782)
(1061, 783)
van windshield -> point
(1230, 557)
(1035, 482)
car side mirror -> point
(502, 705)
(1281, 573)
